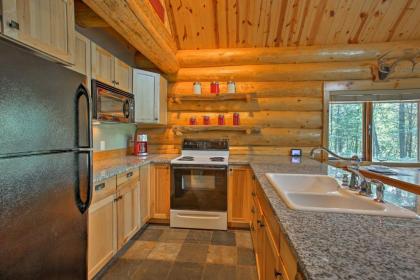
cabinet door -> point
(144, 194)
(102, 234)
(122, 75)
(271, 258)
(45, 25)
(81, 55)
(127, 209)
(160, 191)
(239, 196)
(102, 65)
(145, 89)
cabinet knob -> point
(260, 223)
(13, 24)
(117, 83)
(99, 187)
(277, 274)
(129, 174)
(253, 194)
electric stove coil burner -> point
(220, 159)
(186, 158)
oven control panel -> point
(203, 145)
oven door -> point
(199, 187)
(112, 104)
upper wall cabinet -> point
(110, 70)
(150, 91)
(81, 55)
(44, 25)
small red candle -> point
(235, 118)
(221, 119)
(206, 120)
(214, 88)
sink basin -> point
(323, 193)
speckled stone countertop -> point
(326, 245)
(104, 169)
(342, 246)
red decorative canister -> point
(221, 119)
(236, 119)
(206, 120)
(214, 88)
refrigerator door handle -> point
(83, 206)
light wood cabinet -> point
(273, 255)
(81, 55)
(102, 226)
(128, 206)
(150, 91)
(144, 194)
(109, 69)
(239, 198)
(122, 75)
(45, 26)
(160, 191)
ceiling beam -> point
(252, 56)
(138, 23)
(87, 18)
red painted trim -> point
(160, 11)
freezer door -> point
(38, 103)
(43, 233)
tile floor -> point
(160, 252)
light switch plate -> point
(102, 145)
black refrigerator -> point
(45, 168)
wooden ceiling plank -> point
(396, 24)
(352, 20)
(366, 15)
(292, 23)
(275, 12)
(409, 23)
(253, 22)
(262, 21)
(303, 22)
(221, 23)
(342, 11)
(391, 16)
(309, 21)
(86, 17)
(243, 26)
(326, 23)
(171, 19)
(374, 24)
(232, 25)
(316, 23)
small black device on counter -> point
(296, 152)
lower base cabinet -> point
(160, 192)
(274, 258)
(102, 234)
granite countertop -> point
(107, 168)
(326, 245)
(342, 246)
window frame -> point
(367, 115)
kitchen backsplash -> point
(115, 136)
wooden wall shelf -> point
(209, 97)
(180, 130)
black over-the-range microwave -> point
(112, 104)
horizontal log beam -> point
(266, 89)
(309, 54)
(260, 104)
(266, 137)
(260, 119)
(292, 72)
(138, 23)
(86, 17)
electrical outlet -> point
(102, 145)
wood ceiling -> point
(206, 24)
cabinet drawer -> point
(103, 189)
(127, 176)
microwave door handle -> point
(126, 108)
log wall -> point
(283, 101)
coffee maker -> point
(140, 145)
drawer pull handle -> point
(260, 223)
(13, 24)
(253, 210)
(253, 194)
(129, 174)
(118, 198)
(100, 187)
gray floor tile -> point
(152, 270)
(151, 234)
(226, 238)
(121, 269)
(246, 256)
(219, 272)
(194, 253)
(186, 271)
(174, 235)
(199, 236)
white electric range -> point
(199, 185)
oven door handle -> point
(199, 168)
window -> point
(346, 129)
(375, 131)
(394, 132)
